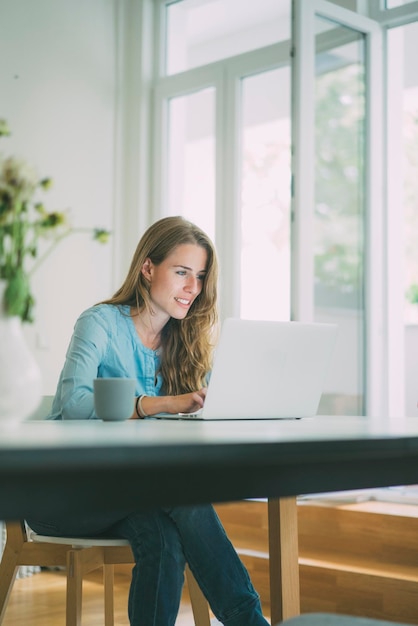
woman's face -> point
(177, 281)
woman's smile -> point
(183, 301)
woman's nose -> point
(191, 284)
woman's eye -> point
(181, 272)
(201, 277)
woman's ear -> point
(146, 269)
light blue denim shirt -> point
(104, 344)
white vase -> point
(20, 376)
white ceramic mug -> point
(114, 398)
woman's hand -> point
(184, 403)
(187, 402)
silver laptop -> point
(267, 370)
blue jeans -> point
(162, 542)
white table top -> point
(80, 433)
(93, 465)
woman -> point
(159, 329)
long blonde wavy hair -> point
(187, 344)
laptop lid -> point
(269, 370)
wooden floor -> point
(39, 600)
(356, 557)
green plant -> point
(412, 293)
(24, 222)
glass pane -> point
(203, 31)
(391, 4)
(339, 220)
(409, 162)
(191, 158)
(403, 128)
(265, 196)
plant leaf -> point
(17, 294)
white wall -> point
(57, 91)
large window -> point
(223, 157)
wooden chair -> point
(79, 556)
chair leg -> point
(8, 571)
(74, 588)
(108, 578)
(199, 603)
